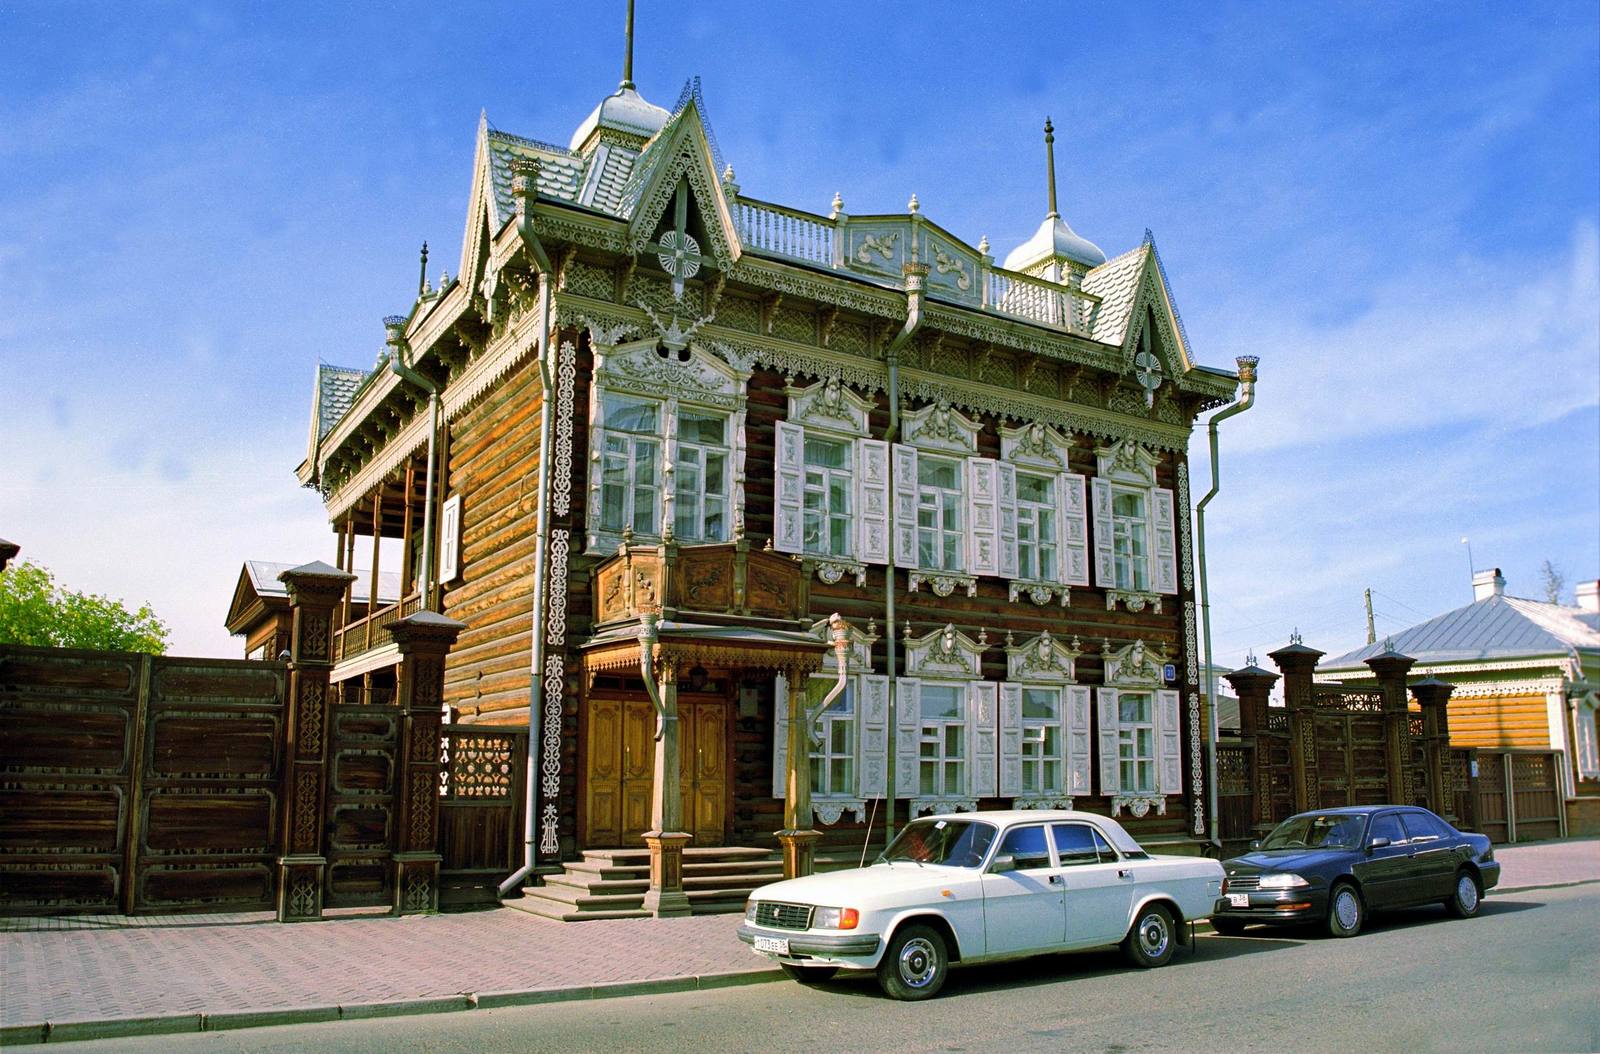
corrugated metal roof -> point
(1497, 627)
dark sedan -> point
(1333, 866)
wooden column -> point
(424, 639)
(377, 537)
(1299, 665)
(666, 838)
(314, 589)
(1253, 686)
(406, 580)
(1434, 696)
(1391, 668)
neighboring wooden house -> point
(689, 392)
(260, 609)
(1525, 675)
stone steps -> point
(611, 883)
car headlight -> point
(1283, 882)
(750, 910)
(835, 919)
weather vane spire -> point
(1049, 154)
(627, 52)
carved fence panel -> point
(1235, 795)
(482, 793)
(360, 812)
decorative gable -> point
(1035, 444)
(1127, 461)
(830, 406)
(1042, 659)
(945, 653)
(681, 152)
(940, 426)
(1135, 665)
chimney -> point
(1486, 584)
(1589, 596)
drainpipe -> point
(399, 349)
(648, 635)
(915, 275)
(525, 188)
(1247, 398)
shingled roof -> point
(1496, 627)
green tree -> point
(1552, 581)
(35, 610)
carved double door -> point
(619, 768)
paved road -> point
(1522, 976)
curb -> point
(168, 1024)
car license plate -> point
(773, 945)
(1238, 900)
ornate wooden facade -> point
(709, 379)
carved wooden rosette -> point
(423, 639)
(1299, 665)
(314, 589)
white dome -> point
(1054, 240)
(626, 111)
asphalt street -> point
(1522, 976)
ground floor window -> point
(1136, 743)
(833, 761)
(1041, 740)
(941, 762)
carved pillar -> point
(314, 589)
(1434, 695)
(1299, 665)
(666, 838)
(1253, 686)
(424, 639)
(1391, 668)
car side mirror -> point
(1255, 843)
(1377, 843)
(1002, 864)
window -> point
(1130, 531)
(827, 522)
(1036, 527)
(1420, 827)
(939, 498)
(833, 762)
(1588, 755)
(1041, 740)
(1136, 743)
(1387, 826)
(941, 758)
(1026, 845)
(629, 489)
(1078, 844)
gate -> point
(360, 811)
(1351, 767)
(1519, 796)
(482, 775)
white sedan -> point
(978, 887)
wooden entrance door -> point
(620, 768)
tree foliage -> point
(1552, 581)
(35, 610)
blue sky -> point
(1397, 206)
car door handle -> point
(1124, 873)
(1057, 880)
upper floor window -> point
(1135, 541)
(700, 484)
(831, 484)
(826, 526)
(630, 490)
(1037, 513)
(1130, 527)
(939, 497)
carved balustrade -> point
(364, 634)
(724, 580)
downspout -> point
(525, 188)
(399, 348)
(915, 275)
(648, 635)
(1247, 397)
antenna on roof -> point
(1050, 160)
(422, 277)
(627, 53)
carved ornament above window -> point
(1135, 665)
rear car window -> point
(1387, 826)
(1422, 827)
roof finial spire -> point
(1050, 160)
(627, 53)
(422, 279)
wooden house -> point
(662, 409)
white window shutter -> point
(872, 742)
(1074, 529)
(1008, 519)
(1076, 738)
(449, 540)
(1109, 769)
(1163, 551)
(789, 483)
(1105, 563)
(981, 728)
(983, 516)
(872, 501)
(908, 726)
(1010, 740)
(1169, 752)
(780, 737)
(905, 505)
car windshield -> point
(1335, 831)
(953, 843)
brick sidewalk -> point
(112, 967)
(1549, 863)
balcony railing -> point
(366, 633)
(725, 579)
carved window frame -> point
(871, 739)
(1128, 466)
(1043, 662)
(1139, 668)
(830, 411)
(1041, 450)
(947, 658)
(940, 430)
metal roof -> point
(1116, 283)
(1497, 627)
(264, 579)
(336, 391)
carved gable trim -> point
(1035, 444)
(829, 405)
(1043, 659)
(940, 426)
(946, 653)
(695, 374)
(1127, 461)
(685, 154)
(1136, 665)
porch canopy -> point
(685, 644)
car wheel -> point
(1152, 938)
(1464, 902)
(914, 965)
(1346, 912)
(808, 974)
(1226, 926)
